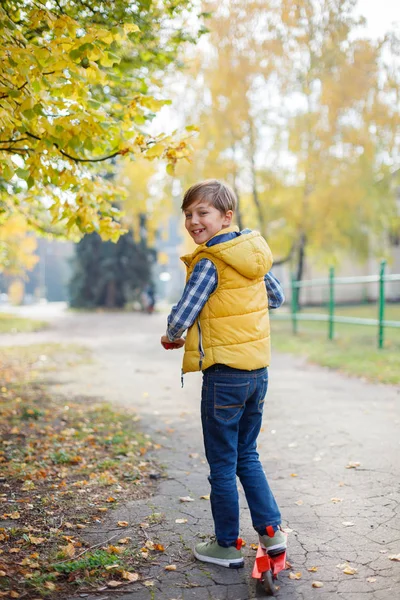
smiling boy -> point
(224, 308)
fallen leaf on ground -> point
(36, 540)
(124, 540)
(317, 584)
(288, 565)
(336, 500)
(205, 497)
(371, 579)
(347, 523)
(122, 523)
(159, 547)
(254, 546)
(353, 465)
(181, 520)
(50, 585)
(295, 575)
(148, 583)
(194, 455)
(68, 551)
(348, 570)
(293, 475)
(3, 574)
(129, 576)
(394, 557)
(186, 499)
(299, 502)
(312, 569)
(114, 584)
(170, 568)
(115, 566)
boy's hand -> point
(168, 345)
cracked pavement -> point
(317, 422)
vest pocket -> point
(201, 349)
(229, 399)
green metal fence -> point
(331, 282)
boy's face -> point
(203, 221)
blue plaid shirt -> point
(201, 284)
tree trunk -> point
(238, 209)
(254, 179)
(111, 294)
(301, 262)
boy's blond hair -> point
(212, 191)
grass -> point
(354, 349)
(13, 324)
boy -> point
(224, 307)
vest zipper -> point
(201, 349)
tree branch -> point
(75, 158)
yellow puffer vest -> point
(233, 326)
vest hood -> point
(248, 253)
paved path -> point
(316, 423)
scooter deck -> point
(264, 562)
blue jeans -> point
(231, 413)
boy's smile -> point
(203, 221)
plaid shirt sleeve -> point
(276, 297)
(198, 288)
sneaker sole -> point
(278, 549)
(233, 563)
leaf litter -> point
(63, 461)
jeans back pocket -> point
(229, 399)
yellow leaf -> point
(181, 520)
(205, 497)
(295, 575)
(170, 568)
(3, 574)
(114, 584)
(15, 515)
(130, 27)
(155, 151)
(317, 584)
(336, 500)
(125, 540)
(36, 540)
(186, 499)
(313, 569)
(122, 523)
(68, 550)
(50, 586)
(129, 576)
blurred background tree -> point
(299, 111)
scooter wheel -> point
(268, 583)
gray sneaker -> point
(212, 552)
(274, 544)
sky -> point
(380, 15)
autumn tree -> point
(79, 82)
(300, 113)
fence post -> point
(381, 304)
(294, 304)
(331, 302)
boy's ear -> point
(228, 218)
